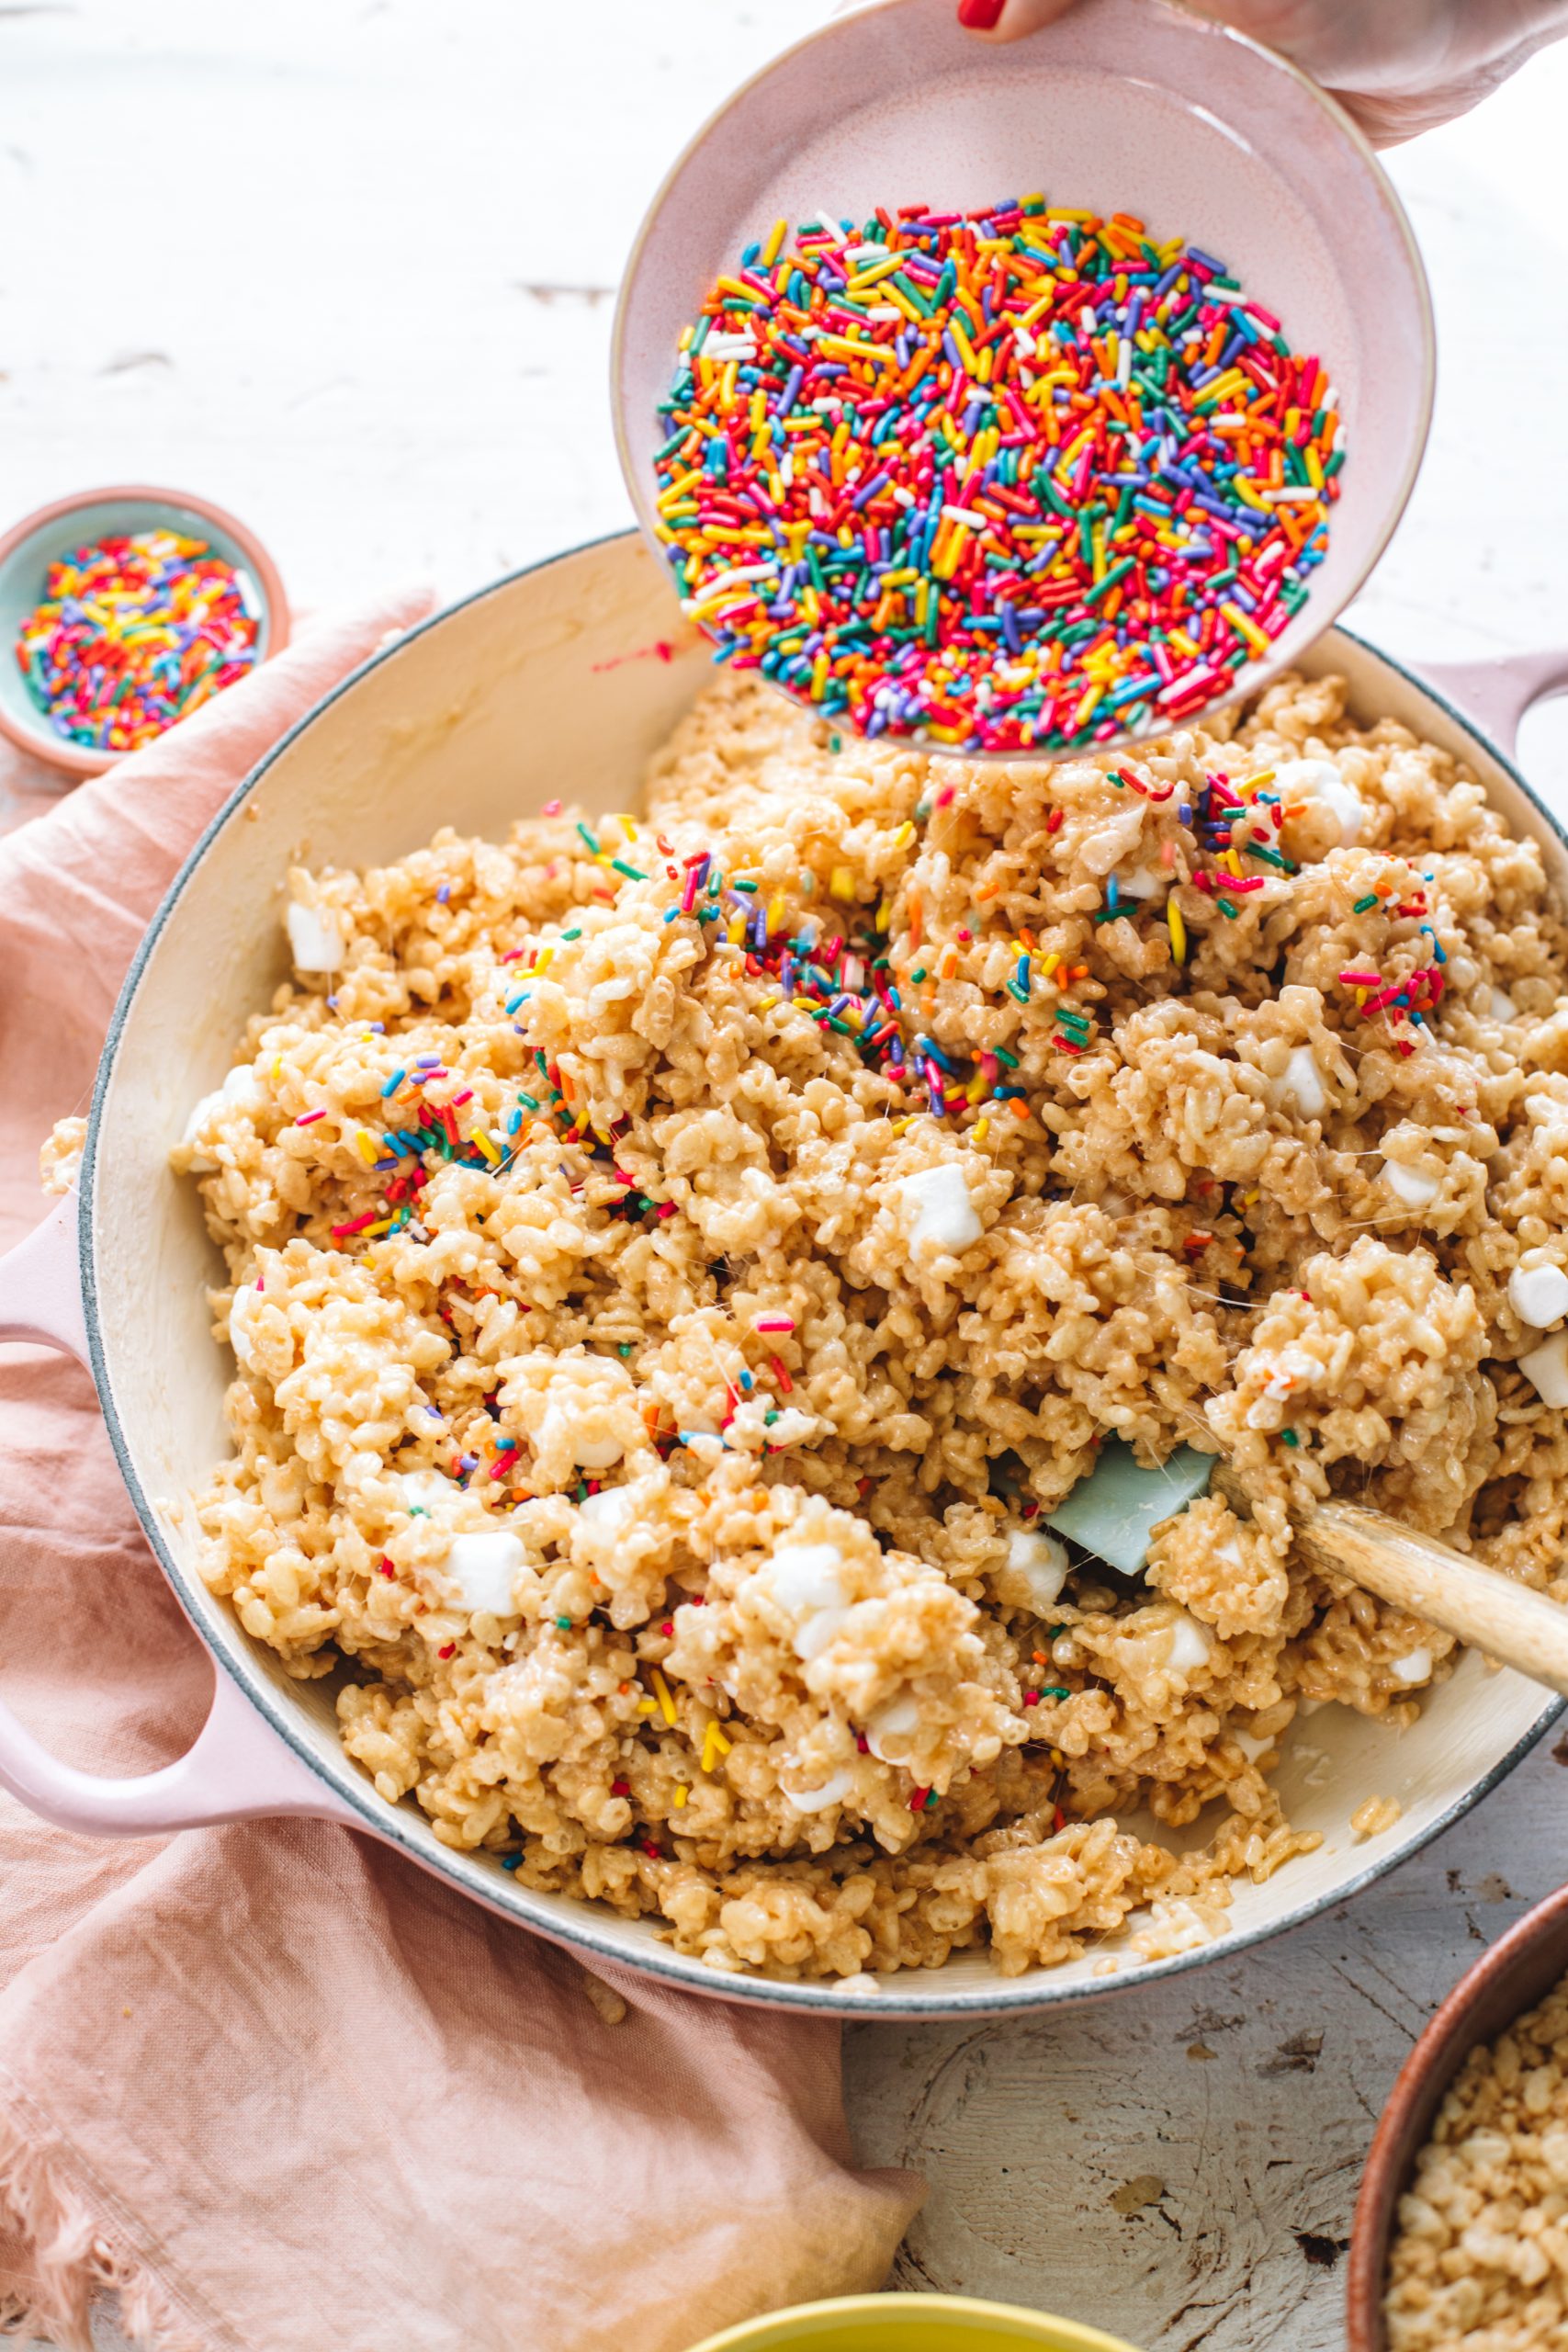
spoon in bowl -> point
(1111, 1511)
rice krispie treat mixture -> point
(674, 1263)
(1479, 2263)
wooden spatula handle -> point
(1487, 1610)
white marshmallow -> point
(1415, 1666)
(1320, 780)
(807, 1580)
(558, 1431)
(938, 1202)
(1042, 1560)
(807, 1576)
(893, 1721)
(833, 1790)
(1190, 1645)
(1303, 1086)
(1539, 1295)
(596, 1452)
(1291, 1366)
(240, 1090)
(314, 940)
(1411, 1185)
(816, 1633)
(1117, 833)
(483, 1568)
(1546, 1368)
(427, 1490)
(1290, 1369)
(242, 1315)
(608, 1509)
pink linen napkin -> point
(277, 2086)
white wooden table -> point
(384, 341)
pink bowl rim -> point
(76, 759)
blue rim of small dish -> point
(55, 528)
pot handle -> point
(1498, 693)
(239, 1770)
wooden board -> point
(1180, 2167)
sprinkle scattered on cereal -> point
(673, 1262)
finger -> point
(1390, 121)
(1009, 19)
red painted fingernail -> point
(980, 16)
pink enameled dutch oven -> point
(559, 680)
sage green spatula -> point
(1112, 1510)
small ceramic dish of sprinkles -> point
(123, 611)
(1031, 473)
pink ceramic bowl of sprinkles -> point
(1026, 399)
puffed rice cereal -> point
(675, 1265)
(1480, 2260)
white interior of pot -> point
(562, 682)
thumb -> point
(1009, 19)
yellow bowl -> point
(909, 2324)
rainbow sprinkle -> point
(1001, 481)
(132, 633)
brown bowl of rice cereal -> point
(1460, 2241)
(654, 1202)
